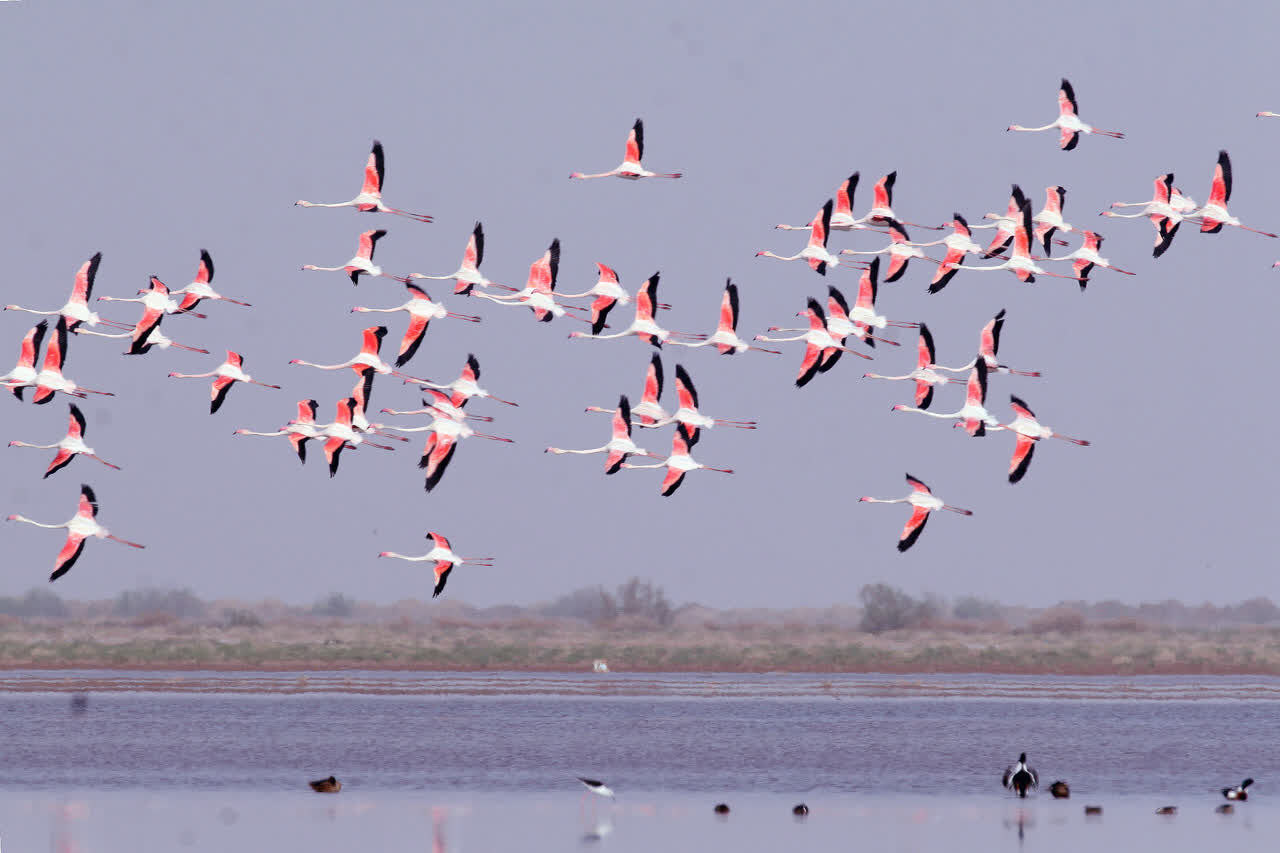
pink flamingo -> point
(421, 312)
(81, 526)
(1067, 121)
(224, 376)
(630, 168)
(70, 446)
(370, 198)
(923, 502)
(678, 463)
(444, 558)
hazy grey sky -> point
(148, 131)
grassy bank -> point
(555, 647)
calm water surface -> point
(486, 762)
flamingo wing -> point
(729, 309)
(600, 309)
(635, 143)
(218, 392)
(67, 557)
(914, 527)
(60, 460)
(924, 394)
(809, 366)
(439, 459)
(1021, 461)
(1067, 104)
(373, 171)
(299, 443)
(442, 571)
(473, 257)
(83, 289)
(672, 481)
(412, 338)
(332, 452)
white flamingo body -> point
(631, 168)
(814, 253)
(369, 200)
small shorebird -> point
(326, 786)
(1020, 777)
(595, 786)
(1239, 792)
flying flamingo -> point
(643, 326)
(649, 411)
(608, 293)
(467, 385)
(840, 325)
(438, 404)
(959, 243)
(900, 251)
(156, 301)
(620, 447)
(678, 463)
(923, 503)
(1028, 431)
(441, 444)
(688, 416)
(50, 379)
(81, 526)
(1021, 263)
(362, 263)
(299, 431)
(1214, 213)
(361, 394)
(1005, 224)
(70, 446)
(77, 308)
(367, 357)
(726, 338)
(864, 310)
(23, 374)
(815, 254)
(821, 349)
(842, 218)
(421, 312)
(341, 433)
(1049, 220)
(201, 288)
(1166, 211)
(468, 275)
(1085, 258)
(881, 212)
(444, 558)
(630, 167)
(225, 375)
(925, 374)
(1067, 121)
(370, 198)
(539, 293)
(1266, 114)
(973, 416)
(988, 347)
(146, 337)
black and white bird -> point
(1020, 777)
(1239, 792)
(597, 787)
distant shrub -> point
(335, 606)
(1122, 626)
(181, 604)
(977, 609)
(36, 604)
(641, 599)
(241, 618)
(154, 619)
(887, 608)
(591, 604)
(1061, 620)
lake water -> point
(487, 761)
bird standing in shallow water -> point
(1020, 777)
(1060, 790)
(326, 786)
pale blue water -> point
(486, 761)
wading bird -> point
(539, 294)
(362, 263)
(421, 312)
(821, 349)
(50, 380)
(923, 503)
(620, 447)
(444, 558)
(1049, 220)
(630, 168)
(466, 385)
(688, 416)
(341, 433)
(644, 326)
(678, 463)
(608, 293)
(973, 415)
(156, 302)
(815, 254)
(370, 198)
(467, 276)
(900, 251)
(1085, 258)
(201, 288)
(81, 526)
(959, 243)
(1214, 213)
(23, 374)
(1067, 121)
(842, 218)
(224, 376)
(881, 213)
(368, 356)
(988, 347)
(1028, 431)
(1166, 210)
(1020, 263)
(76, 311)
(299, 431)
(925, 374)
(445, 433)
(649, 411)
(725, 339)
(1020, 777)
(70, 446)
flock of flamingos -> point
(1024, 244)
